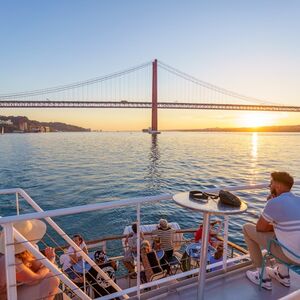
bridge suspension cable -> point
(134, 85)
(212, 87)
(79, 84)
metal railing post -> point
(225, 243)
(17, 203)
(10, 263)
(138, 215)
(84, 278)
(203, 256)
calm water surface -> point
(68, 169)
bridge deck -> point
(127, 104)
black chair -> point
(157, 269)
(99, 285)
(172, 261)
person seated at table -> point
(156, 244)
(72, 256)
(217, 257)
(130, 253)
(102, 260)
(77, 255)
(166, 236)
(150, 262)
(34, 280)
(145, 248)
(100, 286)
(212, 234)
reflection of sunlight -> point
(253, 162)
(254, 145)
(153, 177)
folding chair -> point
(269, 254)
(158, 272)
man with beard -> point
(280, 219)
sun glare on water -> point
(256, 119)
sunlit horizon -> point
(257, 119)
(135, 120)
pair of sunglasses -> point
(202, 196)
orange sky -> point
(249, 47)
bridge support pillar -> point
(154, 96)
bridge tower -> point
(154, 97)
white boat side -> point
(180, 286)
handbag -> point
(230, 199)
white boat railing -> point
(11, 233)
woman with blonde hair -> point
(34, 280)
(147, 272)
(150, 262)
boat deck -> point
(230, 286)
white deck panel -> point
(230, 287)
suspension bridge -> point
(141, 87)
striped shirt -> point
(284, 213)
(166, 237)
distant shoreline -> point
(21, 124)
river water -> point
(68, 169)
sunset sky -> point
(250, 47)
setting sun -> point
(256, 119)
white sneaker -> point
(254, 277)
(274, 273)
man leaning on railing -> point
(280, 219)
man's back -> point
(132, 241)
(284, 213)
(166, 237)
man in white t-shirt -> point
(280, 219)
(72, 257)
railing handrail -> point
(172, 278)
(63, 235)
(90, 243)
(83, 208)
(108, 204)
(7, 221)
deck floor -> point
(232, 286)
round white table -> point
(207, 207)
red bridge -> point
(111, 91)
